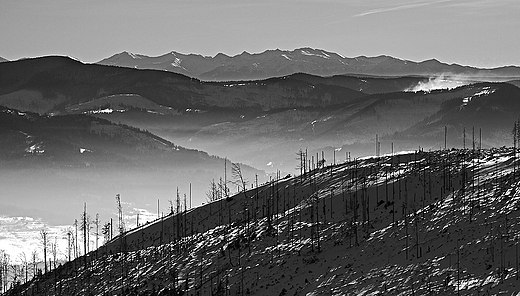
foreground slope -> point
(440, 223)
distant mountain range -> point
(274, 63)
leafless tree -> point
(25, 267)
(239, 177)
(171, 206)
(85, 224)
(34, 258)
(54, 252)
(106, 232)
(70, 239)
(4, 265)
(120, 214)
(75, 238)
(97, 222)
(212, 193)
(44, 236)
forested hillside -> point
(441, 222)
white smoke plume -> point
(443, 81)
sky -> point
(482, 33)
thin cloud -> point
(483, 3)
(400, 7)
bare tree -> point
(34, 258)
(70, 239)
(44, 236)
(25, 267)
(212, 193)
(54, 252)
(171, 206)
(4, 264)
(120, 214)
(239, 177)
(75, 238)
(97, 222)
(85, 224)
(106, 232)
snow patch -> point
(37, 148)
(235, 84)
(485, 91)
(177, 63)
(83, 150)
(134, 56)
(287, 57)
(104, 111)
(323, 55)
(9, 111)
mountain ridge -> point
(61, 81)
(272, 63)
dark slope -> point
(64, 140)
(492, 107)
(366, 84)
(61, 82)
(515, 82)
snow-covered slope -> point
(410, 224)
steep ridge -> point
(440, 222)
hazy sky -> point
(470, 32)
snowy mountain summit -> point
(276, 63)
